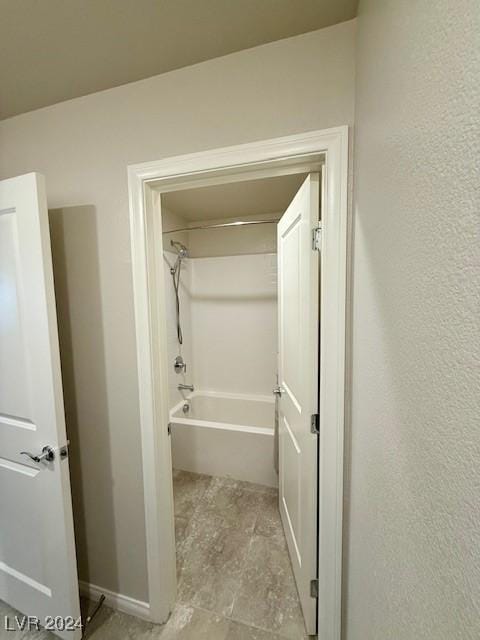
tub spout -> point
(186, 387)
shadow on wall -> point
(73, 232)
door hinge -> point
(315, 423)
(317, 238)
(314, 588)
(169, 428)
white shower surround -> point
(225, 434)
(229, 322)
(233, 326)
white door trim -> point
(268, 157)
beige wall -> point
(83, 147)
(413, 561)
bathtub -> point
(225, 435)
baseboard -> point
(116, 601)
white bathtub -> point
(225, 435)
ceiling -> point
(234, 200)
(54, 50)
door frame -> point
(146, 182)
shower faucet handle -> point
(179, 365)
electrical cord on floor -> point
(94, 613)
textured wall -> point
(413, 523)
(83, 147)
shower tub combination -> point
(225, 434)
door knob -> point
(48, 454)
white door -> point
(38, 573)
(298, 291)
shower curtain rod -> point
(223, 224)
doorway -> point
(238, 316)
(150, 184)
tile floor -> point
(232, 559)
(234, 576)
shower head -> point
(182, 252)
(180, 248)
